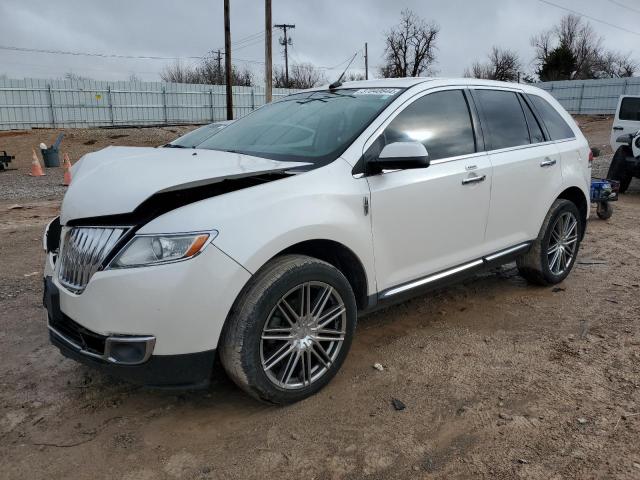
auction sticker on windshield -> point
(377, 91)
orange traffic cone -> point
(36, 169)
(67, 170)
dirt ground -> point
(500, 379)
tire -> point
(539, 265)
(604, 210)
(618, 170)
(624, 183)
(265, 324)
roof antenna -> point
(338, 82)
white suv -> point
(263, 245)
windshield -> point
(197, 136)
(315, 127)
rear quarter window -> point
(630, 109)
(556, 126)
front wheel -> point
(554, 252)
(290, 330)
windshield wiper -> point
(319, 99)
(324, 99)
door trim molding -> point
(494, 259)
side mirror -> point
(400, 156)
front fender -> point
(257, 223)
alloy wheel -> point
(562, 243)
(303, 335)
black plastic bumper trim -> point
(187, 371)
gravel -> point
(19, 186)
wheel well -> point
(340, 257)
(575, 195)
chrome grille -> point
(83, 251)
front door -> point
(430, 219)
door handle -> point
(618, 128)
(548, 162)
(476, 179)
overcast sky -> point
(327, 32)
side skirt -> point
(450, 276)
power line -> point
(62, 68)
(625, 6)
(249, 38)
(590, 17)
(112, 55)
(253, 43)
(245, 40)
(89, 54)
(341, 63)
(151, 57)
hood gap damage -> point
(163, 202)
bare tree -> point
(617, 65)
(573, 50)
(209, 71)
(301, 76)
(410, 47)
(354, 76)
(178, 73)
(502, 64)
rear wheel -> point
(290, 330)
(618, 170)
(554, 252)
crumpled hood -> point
(118, 179)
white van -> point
(263, 245)
(627, 119)
(625, 141)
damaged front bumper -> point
(127, 357)
(157, 325)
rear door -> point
(526, 167)
(627, 119)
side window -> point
(630, 109)
(440, 120)
(535, 131)
(557, 127)
(504, 118)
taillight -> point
(590, 158)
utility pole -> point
(218, 74)
(268, 75)
(366, 62)
(285, 42)
(227, 60)
(219, 70)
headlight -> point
(157, 249)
